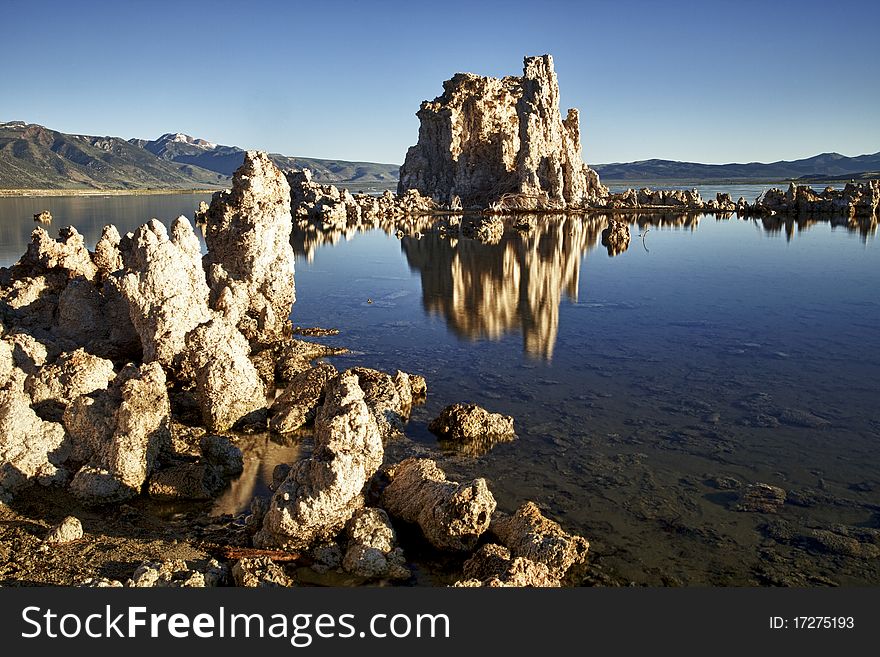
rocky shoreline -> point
(136, 371)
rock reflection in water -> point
(489, 290)
(261, 454)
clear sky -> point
(711, 81)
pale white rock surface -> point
(321, 493)
(250, 262)
(164, 286)
(228, 386)
(119, 432)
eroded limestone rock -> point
(494, 566)
(616, 237)
(529, 534)
(258, 572)
(250, 262)
(372, 550)
(31, 450)
(297, 405)
(164, 286)
(321, 493)
(69, 529)
(118, 432)
(177, 573)
(761, 498)
(452, 516)
(493, 141)
(467, 422)
(390, 399)
(73, 374)
(228, 386)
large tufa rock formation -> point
(485, 139)
(250, 261)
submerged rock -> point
(761, 498)
(452, 516)
(250, 261)
(527, 533)
(489, 141)
(186, 481)
(320, 494)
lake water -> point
(646, 388)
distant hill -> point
(826, 166)
(34, 157)
(183, 149)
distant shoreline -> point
(102, 192)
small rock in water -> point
(464, 422)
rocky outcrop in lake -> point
(855, 199)
(488, 141)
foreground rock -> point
(118, 433)
(70, 529)
(503, 142)
(372, 550)
(250, 262)
(452, 516)
(299, 402)
(527, 533)
(177, 573)
(320, 494)
(228, 386)
(259, 572)
(494, 566)
(468, 422)
(31, 450)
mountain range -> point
(827, 166)
(35, 157)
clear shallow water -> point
(639, 383)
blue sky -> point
(710, 81)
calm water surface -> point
(646, 387)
